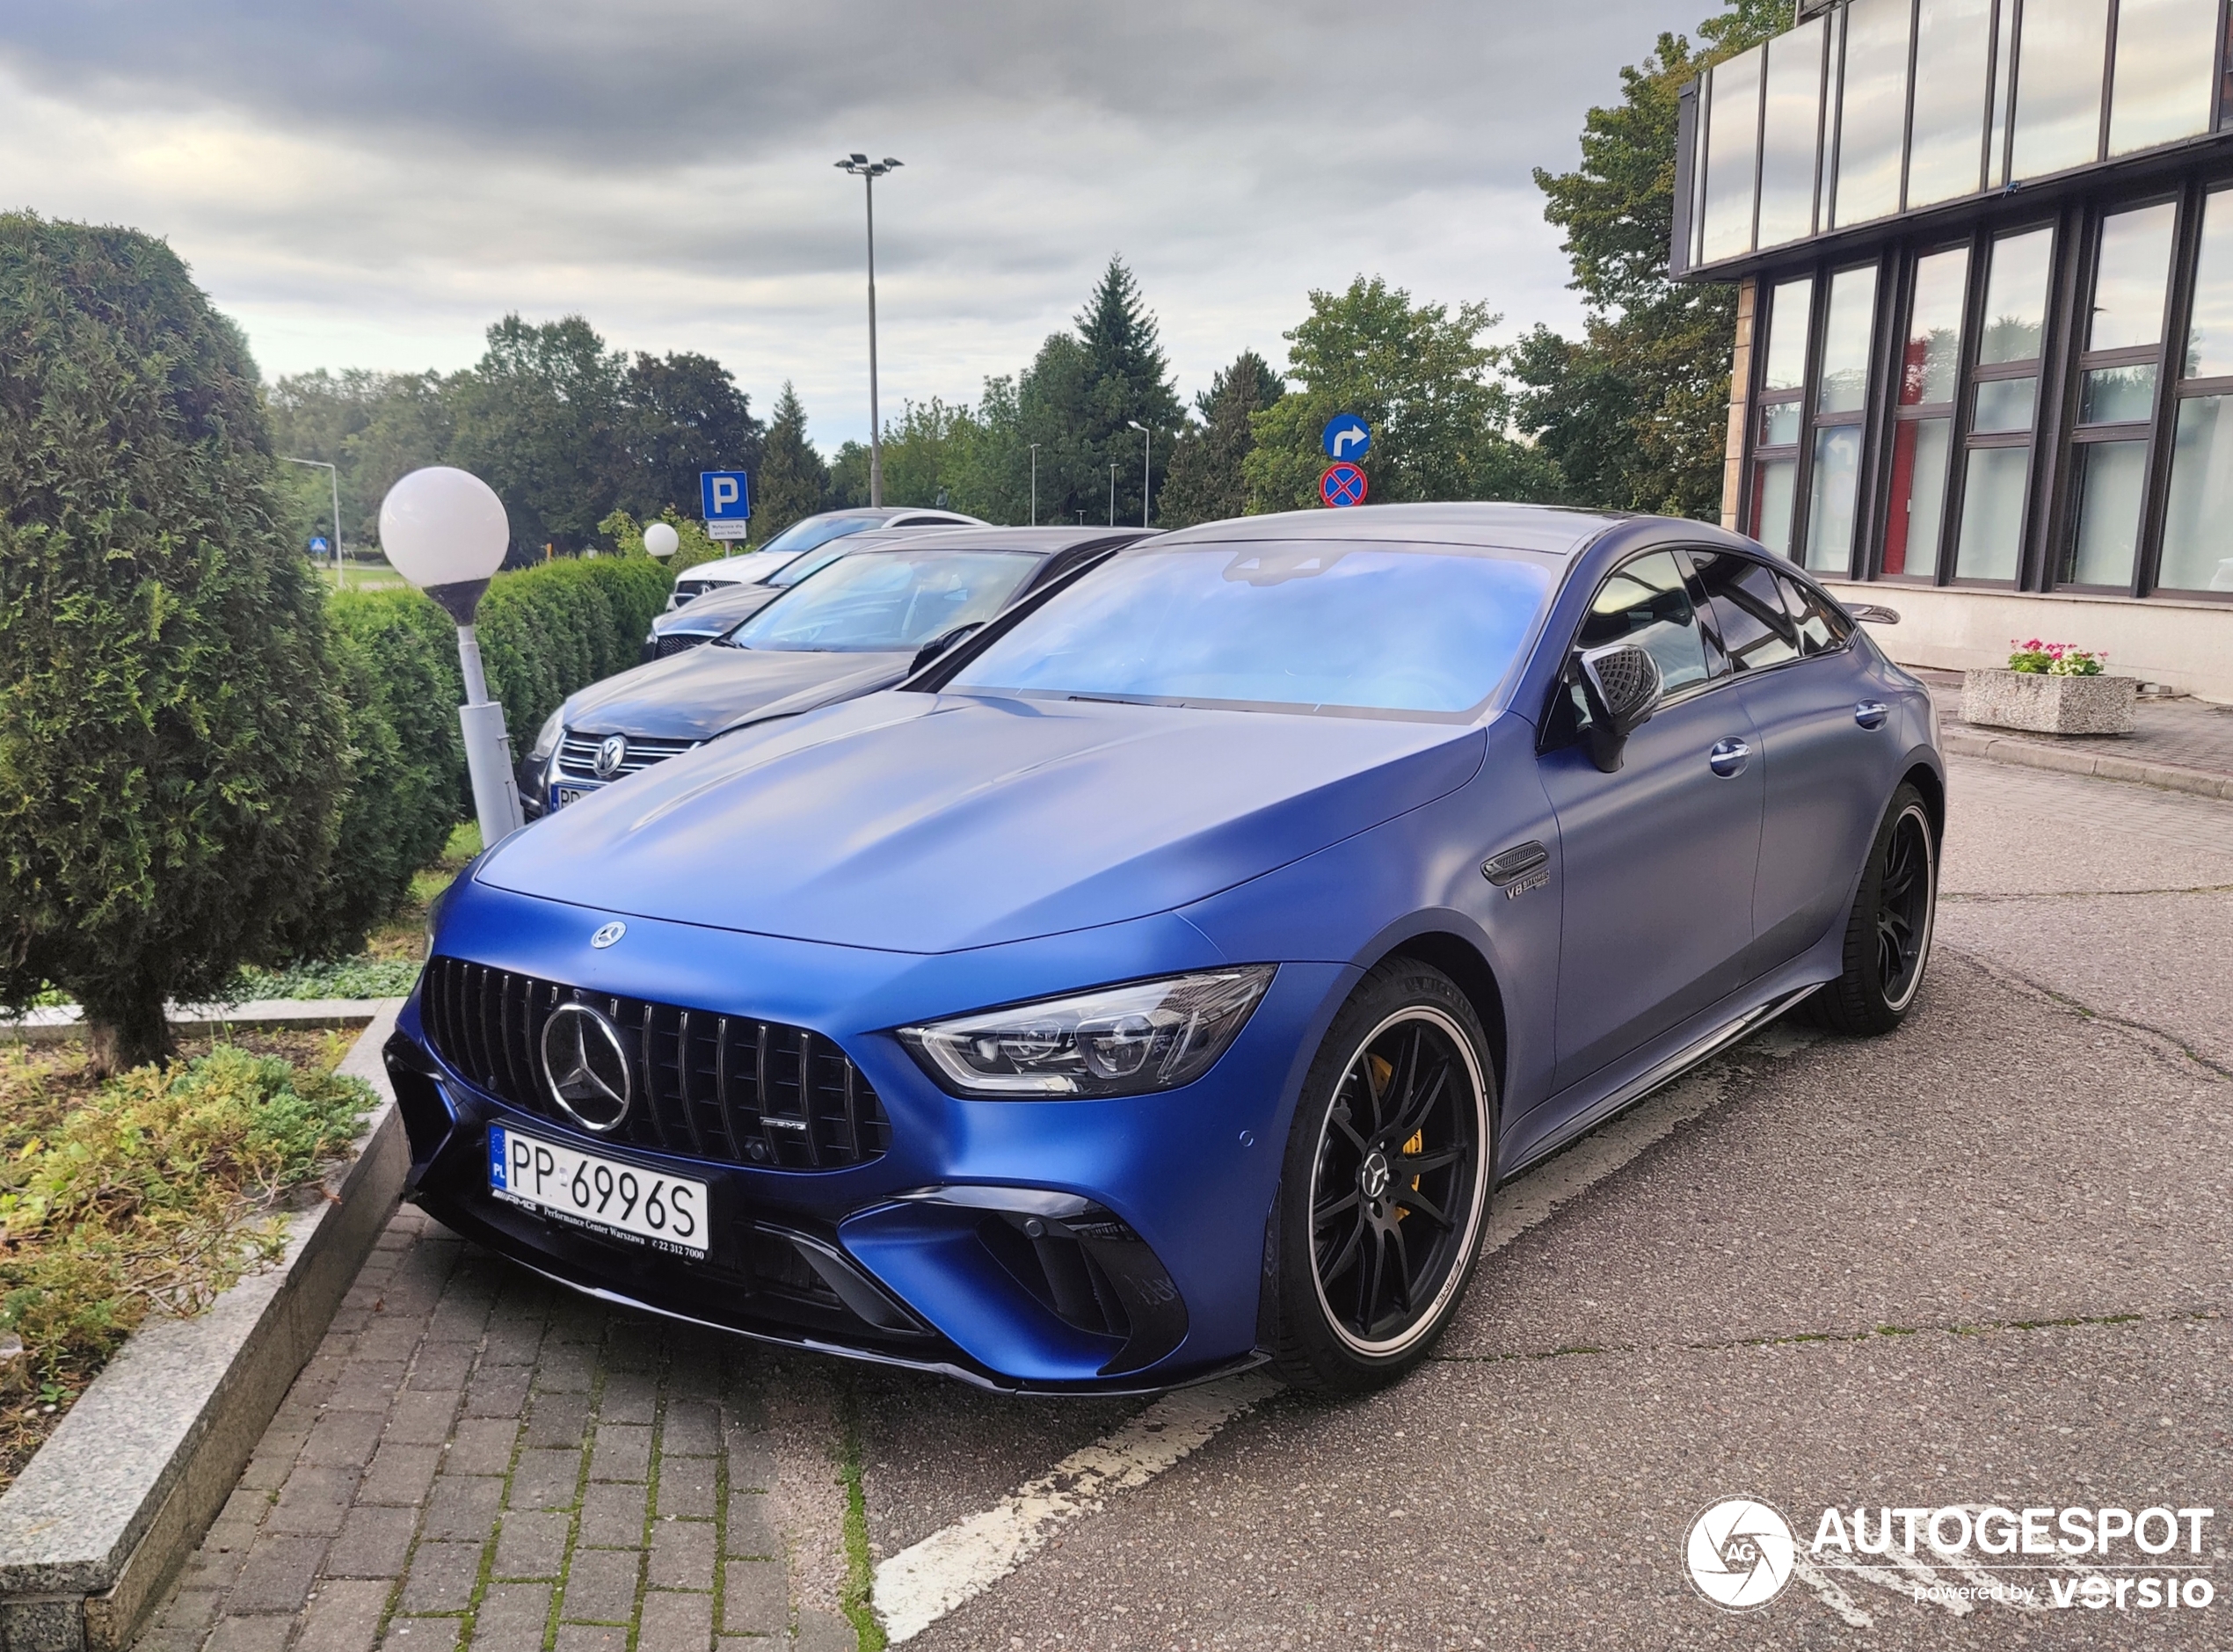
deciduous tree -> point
(1423, 379)
(1634, 412)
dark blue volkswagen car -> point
(1163, 981)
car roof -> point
(1551, 529)
(1045, 541)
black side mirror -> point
(1622, 684)
(939, 643)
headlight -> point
(547, 738)
(1112, 1041)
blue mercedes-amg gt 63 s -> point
(1161, 981)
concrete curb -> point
(101, 1519)
(263, 1015)
(2104, 765)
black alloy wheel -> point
(1887, 937)
(1387, 1183)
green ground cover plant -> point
(148, 1193)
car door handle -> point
(1870, 713)
(1729, 758)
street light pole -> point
(1112, 496)
(1034, 485)
(333, 475)
(445, 531)
(868, 170)
(1146, 456)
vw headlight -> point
(547, 737)
(1122, 1040)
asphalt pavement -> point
(1983, 1263)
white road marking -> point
(1835, 1598)
(919, 1585)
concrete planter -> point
(2042, 704)
(100, 1521)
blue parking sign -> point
(725, 496)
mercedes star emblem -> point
(587, 1066)
(611, 755)
(609, 934)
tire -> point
(1887, 937)
(1394, 1138)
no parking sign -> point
(1341, 485)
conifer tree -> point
(793, 481)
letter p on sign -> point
(724, 496)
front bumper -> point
(1101, 1246)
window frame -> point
(1955, 413)
(2060, 540)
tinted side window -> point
(1822, 627)
(1748, 603)
(1646, 602)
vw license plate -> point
(573, 794)
(665, 1212)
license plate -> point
(573, 794)
(665, 1212)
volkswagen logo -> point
(587, 1066)
(607, 935)
(611, 755)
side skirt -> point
(1659, 1075)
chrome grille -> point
(577, 755)
(723, 1088)
(688, 590)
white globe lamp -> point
(661, 540)
(442, 527)
(444, 530)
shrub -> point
(548, 630)
(172, 749)
(396, 656)
(545, 632)
(155, 1194)
(627, 535)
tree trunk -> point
(126, 1032)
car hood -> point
(927, 823)
(721, 607)
(695, 695)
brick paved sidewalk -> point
(476, 1459)
(2185, 733)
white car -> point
(800, 537)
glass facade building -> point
(1987, 253)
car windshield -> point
(1405, 628)
(817, 530)
(887, 600)
(811, 562)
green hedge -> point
(545, 632)
(548, 631)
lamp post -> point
(1146, 454)
(1112, 496)
(1034, 485)
(444, 530)
(868, 170)
(661, 541)
(333, 476)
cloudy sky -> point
(370, 184)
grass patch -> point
(148, 1193)
(859, 1574)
